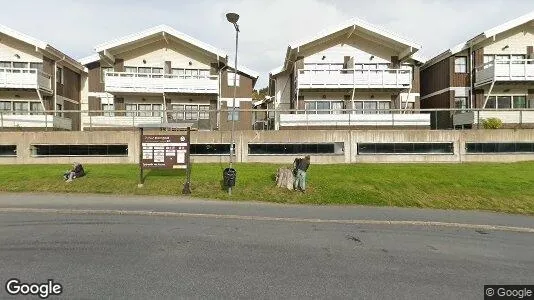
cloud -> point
(267, 26)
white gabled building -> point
(35, 77)
(350, 76)
(162, 75)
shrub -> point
(492, 123)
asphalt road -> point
(147, 257)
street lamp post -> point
(233, 18)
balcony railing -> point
(507, 116)
(505, 70)
(18, 78)
(34, 120)
(159, 83)
(350, 78)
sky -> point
(267, 26)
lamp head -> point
(232, 18)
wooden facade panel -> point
(460, 79)
(245, 117)
(94, 104)
(416, 80)
(440, 119)
(244, 90)
(119, 65)
(74, 116)
(435, 77)
(95, 84)
(71, 85)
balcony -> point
(118, 121)
(15, 78)
(509, 116)
(349, 78)
(363, 120)
(34, 121)
(125, 82)
(505, 71)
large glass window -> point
(157, 110)
(8, 150)
(108, 110)
(210, 149)
(20, 65)
(130, 109)
(79, 150)
(491, 103)
(520, 102)
(38, 66)
(231, 76)
(178, 111)
(504, 147)
(504, 102)
(291, 149)
(5, 106)
(405, 148)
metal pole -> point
(232, 145)
(187, 185)
(141, 179)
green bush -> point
(492, 123)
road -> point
(256, 251)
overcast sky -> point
(267, 26)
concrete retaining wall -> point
(349, 138)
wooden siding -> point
(74, 116)
(94, 78)
(244, 90)
(435, 77)
(71, 85)
(440, 120)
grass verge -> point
(481, 186)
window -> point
(5, 106)
(491, 103)
(36, 107)
(5, 64)
(210, 149)
(130, 69)
(203, 112)
(20, 108)
(59, 75)
(409, 106)
(157, 110)
(59, 108)
(504, 102)
(233, 114)
(509, 147)
(369, 107)
(144, 110)
(291, 149)
(175, 71)
(178, 112)
(384, 107)
(108, 110)
(520, 102)
(103, 71)
(518, 59)
(231, 76)
(502, 59)
(460, 64)
(405, 148)
(38, 66)
(20, 65)
(130, 109)
(80, 150)
(8, 150)
(324, 107)
(487, 59)
(460, 102)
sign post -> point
(165, 152)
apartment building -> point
(36, 77)
(493, 72)
(161, 75)
(355, 75)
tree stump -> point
(285, 178)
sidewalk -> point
(255, 209)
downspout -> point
(471, 85)
(219, 97)
(55, 82)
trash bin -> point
(229, 177)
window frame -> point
(463, 65)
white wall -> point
(9, 47)
(337, 53)
(516, 39)
(157, 53)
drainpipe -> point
(219, 98)
(471, 85)
(55, 82)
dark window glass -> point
(210, 149)
(405, 148)
(499, 147)
(80, 150)
(323, 148)
(8, 150)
